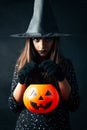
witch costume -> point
(43, 24)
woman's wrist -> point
(65, 89)
(18, 92)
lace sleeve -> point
(14, 106)
(74, 99)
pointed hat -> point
(42, 23)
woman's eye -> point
(48, 39)
(36, 39)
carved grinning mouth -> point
(34, 105)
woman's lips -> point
(42, 51)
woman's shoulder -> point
(66, 64)
(16, 67)
(66, 61)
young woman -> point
(41, 62)
(43, 55)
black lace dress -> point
(59, 118)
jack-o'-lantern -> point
(41, 98)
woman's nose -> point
(42, 43)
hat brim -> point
(31, 35)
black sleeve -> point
(74, 99)
(13, 105)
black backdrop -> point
(72, 18)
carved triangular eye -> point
(48, 93)
(33, 93)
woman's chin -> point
(42, 55)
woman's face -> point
(43, 45)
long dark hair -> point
(28, 54)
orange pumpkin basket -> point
(41, 98)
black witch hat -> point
(43, 23)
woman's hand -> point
(53, 69)
(24, 76)
(27, 72)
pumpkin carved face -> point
(41, 98)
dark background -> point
(71, 17)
